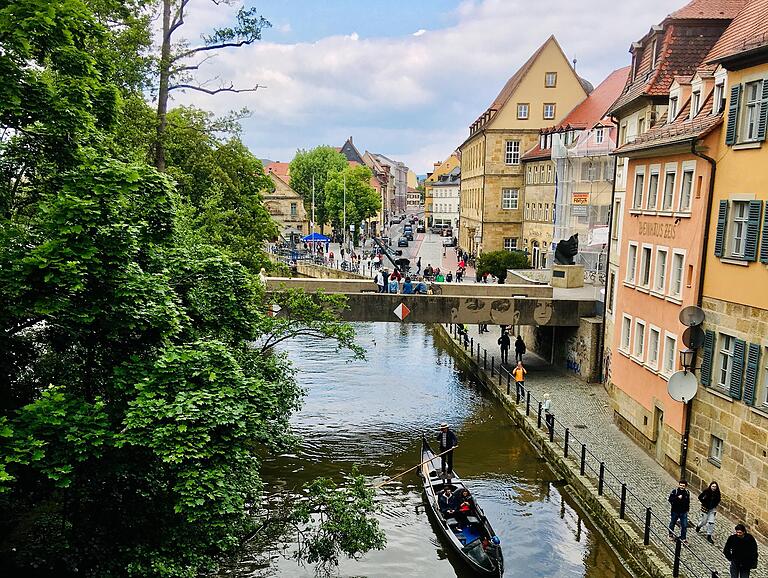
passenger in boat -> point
(445, 500)
(466, 508)
(448, 441)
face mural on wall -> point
(542, 313)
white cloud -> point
(419, 32)
(285, 28)
(412, 97)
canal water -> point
(373, 413)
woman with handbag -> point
(709, 499)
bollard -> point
(492, 364)
(676, 563)
(623, 505)
(565, 442)
(583, 459)
(485, 361)
(601, 479)
(528, 404)
(647, 532)
(538, 417)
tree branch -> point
(175, 71)
(178, 19)
(22, 326)
(191, 51)
(229, 88)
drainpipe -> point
(601, 345)
(699, 298)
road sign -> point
(274, 309)
(402, 311)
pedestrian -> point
(394, 285)
(709, 499)
(680, 501)
(443, 250)
(385, 278)
(449, 277)
(459, 275)
(519, 348)
(379, 280)
(518, 373)
(407, 286)
(549, 417)
(448, 442)
(439, 278)
(504, 343)
(741, 551)
(418, 265)
(330, 258)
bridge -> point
(449, 303)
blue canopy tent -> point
(315, 237)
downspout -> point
(601, 346)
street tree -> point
(497, 263)
(315, 166)
(362, 201)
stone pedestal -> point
(567, 276)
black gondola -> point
(475, 542)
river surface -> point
(373, 413)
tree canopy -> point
(316, 165)
(362, 200)
(497, 263)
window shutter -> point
(762, 119)
(737, 371)
(706, 361)
(722, 218)
(733, 114)
(764, 242)
(753, 370)
(753, 230)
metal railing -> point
(631, 506)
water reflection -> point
(374, 413)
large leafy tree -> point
(310, 170)
(353, 183)
(497, 263)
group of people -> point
(396, 282)
(434, 273)
(459, 505)
(740, 548)
(505, 343)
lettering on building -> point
(660, 230)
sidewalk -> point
(585, 408)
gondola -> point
(467, 541)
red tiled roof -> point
(280, 169)
(592, 109)
(709, 9)
(748, 31)
(537, 153)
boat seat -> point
(472, 520)
(452, 522)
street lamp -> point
(687, 359)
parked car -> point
(420, 228)
(408, 235)
(449, 242)
(402, 242)
(447, 232)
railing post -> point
(471, 347)
(485, 361)
(623, 505)
(565, 442)
(538, 417)
(509, 381)
(647, 531)
(492, 365)
(498, 372)
(528, 404)
(551, 425)
(676, 563)
(478, 353)
(583, 459)
(601, 479)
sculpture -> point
(566, 250)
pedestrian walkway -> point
(586, 409)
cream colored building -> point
(539, 211)
(440, 168)
(540, 94)
(287, 208)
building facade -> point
(539, 199)
(440, 168)
(540, 93)
(445, 193)
(397, 191)
(286, 206)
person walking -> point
(379, 280)
(549, 417)
(447, 440)
(504, 344)
(459, 274)
(385, 278)
(519, 348)
(418, 265)
(518, 373)
(709, 499)
(741, 551)
(680, 501)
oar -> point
(385, 482)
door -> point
(536, 255)
(658, 434)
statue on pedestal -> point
(566, 250)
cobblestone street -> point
(585, 409)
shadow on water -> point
(373, 413)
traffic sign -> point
(402, 311)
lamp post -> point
(688, 361)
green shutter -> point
(706, 361)
(737, 369)
(753, 370)
(753, 230)
(764, 241)
(722, 219)
(733, 115)
(762, 119)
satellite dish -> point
(682, 386)
(693, 337)
(692, 315)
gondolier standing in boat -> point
(448, 441)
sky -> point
(404, 78)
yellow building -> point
(287, 208)
(441, 168)
(539, 212)
(729, 428)
(540, 94)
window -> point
(669, 189)
(529, 174)
(536, 174)
(527, 211)
(653, 53)
(294, 209)
(550, 79)
(623, 133)
(546, 212)
(637, 195)
(716, 449)
(672, 108)
(631, 263)
(616, 220)
(660, 277)
(685, 190)
(695, 103)
(512, 152)
(549, 111)
(676, 276)
(638, 350)
(719, 100)
(509, 198)
(653, 190)
(725, 361)
(510, 243)
(599, 135)
(739, 227)
(670, 354)
(626, 325)
(765, 376)
(540, 212)
(611, 291)
(654, 340)
(751, 109)
(522, 111)
(640, 125)
(645, 267)
(549, 173)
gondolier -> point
(448, 441)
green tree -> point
(317, 164)
(497, 263)
(362, 200)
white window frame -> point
(764, 373)
(717, 102)
(673, 100)
(716, 445)
(673, 273)
(632, 263)
(751, 111)
(654, 363)
(671, 356)
(669, 169)
(625, 342)
(724, 357)
(645, 249)
(547, 77)
(510, 199)
(523, 110)
(599, 135)
(638, 345)
(655, 171)
(551, 107)
(637, 200)
(512, 152)
(737, 223)
(689, 167)
(695, 103)
(661, 264)
(510, 243)
(617, 218)
(527, 211)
